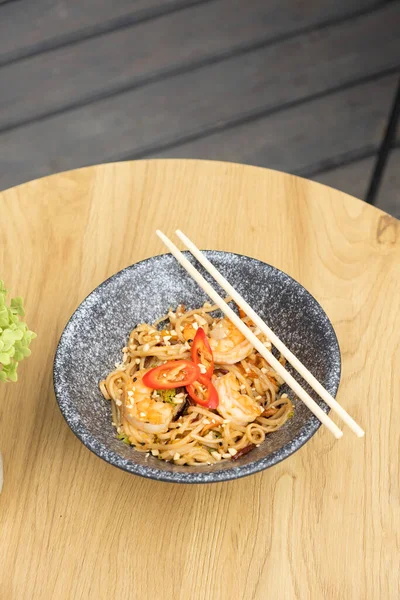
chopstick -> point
(258, 345)
(294, 361)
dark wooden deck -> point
(301, 86)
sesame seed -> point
(257, 445)
(195, 326)
(284, 396)
(137, 361)
(167, 343)
(173, 332)
(130, 394)
(216, 455)
(155, 452)
(148, 454)
(258, 397)
(232, 451)
(177, 456)
(167, 338)
(146, 347)
(118, 402)
(206, 422)
(113, 424)
(129, 406)
(226, 455)
(202, 369)
(200, 320)
(142, 414)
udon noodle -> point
(169, 423)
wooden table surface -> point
(325, 523)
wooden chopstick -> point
(258, 345)
(294, 361)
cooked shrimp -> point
(228, 344)
(189, 329)
(142, 410)
(238, 408)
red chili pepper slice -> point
(172, 374)
(202, 353)
(203, 392)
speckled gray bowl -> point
(92, 340)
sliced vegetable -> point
(180, 409)
(203, 392)
(243, 451)
(171, 374)
(124, 438)
(202, 353)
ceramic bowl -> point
(92, 340)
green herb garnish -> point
(124, 438)
(168, 395)
(15, 336)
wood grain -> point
(99, 65)
(300, 139)
(322, 524)
(141, 120)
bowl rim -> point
(229, 474)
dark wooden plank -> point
(101, 65)
(299, 139)
(352, 178)
(140, 120)
(388, 140)
(28, 25)
(389, 193)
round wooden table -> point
(322, 524)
